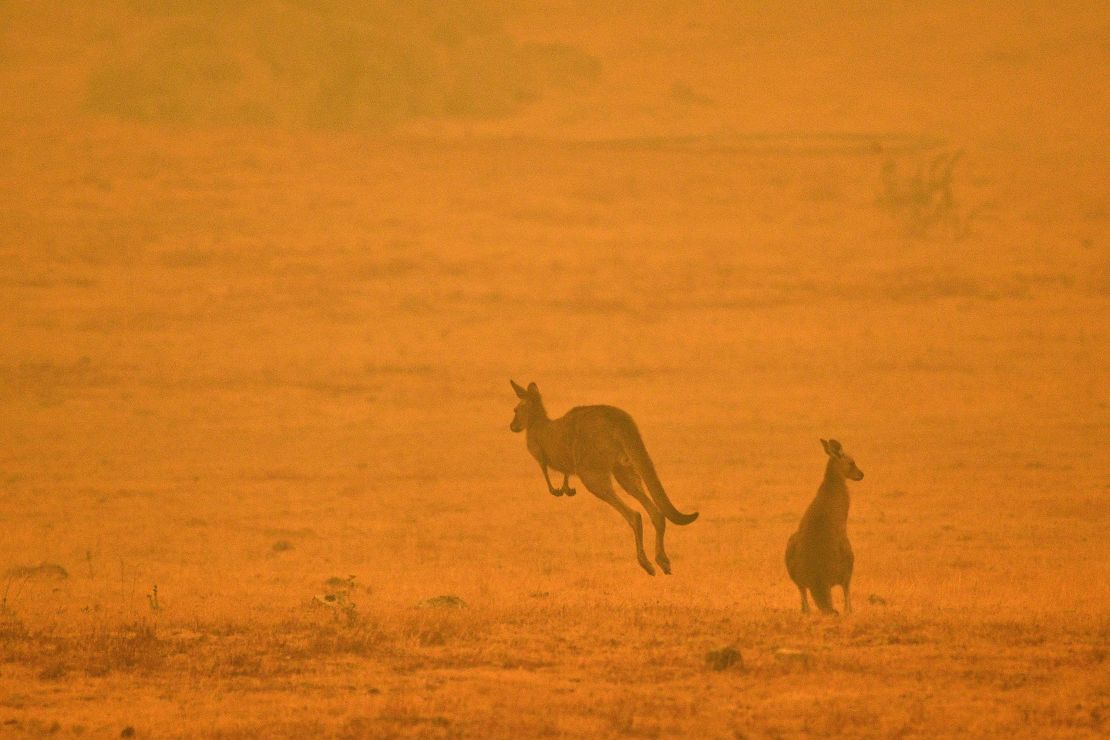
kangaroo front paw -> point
(553, 492)
(570, 491)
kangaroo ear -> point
(534, 389)
(520, 392)
(825, 446)
(835, 448)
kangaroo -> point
(598, 443)
(818, 555)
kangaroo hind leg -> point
(600, 485)
(822, 596)
(849, 566)
(630, 481)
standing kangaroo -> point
(818, 555)
(598, 443)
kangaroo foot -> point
(664, 564)
(646, 565)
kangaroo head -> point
(844, 463)
(529, 407)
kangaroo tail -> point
(822, 596)
(638, 455)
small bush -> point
(726, 657)
(924, 201)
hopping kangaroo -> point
(598, 443)
(818, 555)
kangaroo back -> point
(637, 454)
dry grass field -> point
(256, 345)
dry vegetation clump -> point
(447, 601)
(55, 653)
(923, 200)
(723, 658)
(12, 633)
(42, 570)
(338, 598)
(346, 65)
(133, 648)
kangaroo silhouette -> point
(599, 443)
(819, 555)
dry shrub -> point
(333, 64)
(131, 648)
(337, 599)
(719, 660)
(924, 201)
